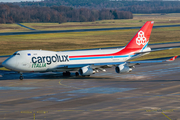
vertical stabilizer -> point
(141, 39)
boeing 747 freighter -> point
(86, 62)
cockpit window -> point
(16, 54)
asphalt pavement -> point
(149, 92)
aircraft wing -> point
(93, 65)
(153, 61)
(110, 64)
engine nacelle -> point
(86, 71)
(123, 68)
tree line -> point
(10, 13)
(148, 7)
(134, 6)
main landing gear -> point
(68, 74)
(21, 76)
(76, 74)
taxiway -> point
(78, 30)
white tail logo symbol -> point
(141, 39)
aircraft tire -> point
(77, 74)
(67, 74)
(21, 77)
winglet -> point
(172, 59)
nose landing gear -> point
(21, 76)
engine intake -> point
(86, 71)
(123, 68)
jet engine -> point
(86, 71)
(123, 68)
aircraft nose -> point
(6, 64)
(9, 63)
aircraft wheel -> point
(67, 73)
(77, 74)
(21, 77)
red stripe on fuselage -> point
(122, 52)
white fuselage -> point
(43, 61)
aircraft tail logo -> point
(141, 39)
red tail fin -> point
(142, 36)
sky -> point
(17, 0)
